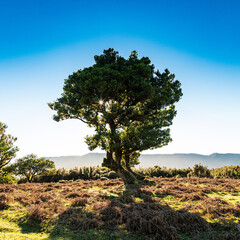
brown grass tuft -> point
(37, 213)
(80, 202)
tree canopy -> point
(7, 148)
(130, 105)
(31, 166)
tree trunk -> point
(128, 167)
(127, 176)
(138, 176)
(114, 163)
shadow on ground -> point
(135, 211)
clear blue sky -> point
(42, 42)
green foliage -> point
(200, 171)
(7, 148)
(30, 166)
(129, 104)
(84, 173)
(221, 172)
(226, 172)
(96, 172)
(163, 172)
(6, 177)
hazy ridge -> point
(177, 160)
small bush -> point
(200, 171)
(93, 173)
(37, 213)
(7, 178)
(46, 197)
(80, 202)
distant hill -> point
(177, 160)
(90, 159)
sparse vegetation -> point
(96, 172)
(173, 208)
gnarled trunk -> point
(138, 176)
(128, 168)
(127, 176)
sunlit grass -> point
(216, 201)
(229, 197)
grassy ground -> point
(173, 208)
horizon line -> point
(146, 154)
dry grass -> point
(173, 208)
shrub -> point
(226, 172)
(200, 171)
(7, 178)
(93, 173)
(80, 202)
(37, 213)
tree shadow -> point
(29, 226)
(136, 211)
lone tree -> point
(129, 104)
(7, 148)
(30, 166)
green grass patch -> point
(228, 197)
